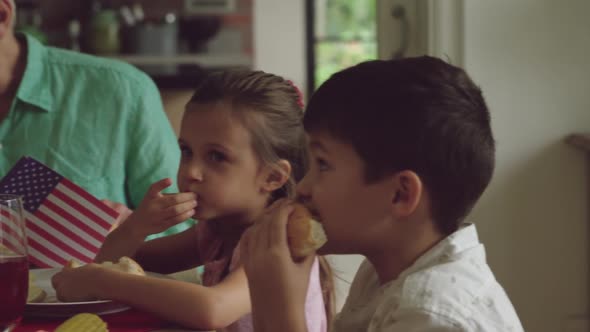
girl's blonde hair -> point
(271, 108)
(268, 107)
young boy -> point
(400, 151)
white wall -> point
(532, 60)
(279, 39)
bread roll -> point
(125, 264)
(304, 234)
(73, 264)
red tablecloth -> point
(126, 321)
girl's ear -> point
(407, 193)
(276, 175)
(5, 22)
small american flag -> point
(63, 221)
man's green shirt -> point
(98, 122)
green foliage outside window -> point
(346, 34)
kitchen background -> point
(173, 41)
(529, 56)
(170, 40)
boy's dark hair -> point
(420, 114)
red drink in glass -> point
(14, 266)
(14, 284)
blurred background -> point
(161, 37)
(530, 57)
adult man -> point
(98, 122)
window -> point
(340, 33)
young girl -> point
(243, 147)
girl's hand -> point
(278, 285)
(77, 284)
(158, 212)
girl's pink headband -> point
(299, 94)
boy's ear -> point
(407, 193)
(276, 175)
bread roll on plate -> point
(125, 264)
(305, 235)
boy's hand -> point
(158, 212)
(278, 286)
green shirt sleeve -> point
(96, 121)
(152, 149)
(153, 152)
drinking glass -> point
(14, 268)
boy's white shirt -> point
(449, 288)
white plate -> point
(50, 307)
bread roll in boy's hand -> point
(304, 234)
(125, 264)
